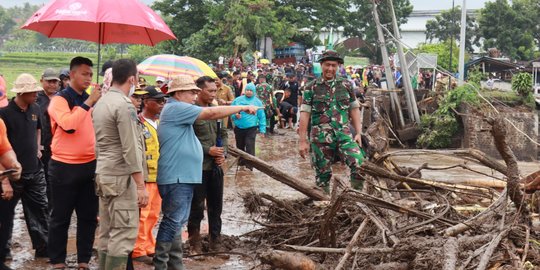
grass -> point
(13, 64)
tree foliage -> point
(234, 26)
(447, 25)
(442, 50)
(361, 23)
(510, 28)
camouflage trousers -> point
(323, 155)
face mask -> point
(131, 90)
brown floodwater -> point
(281, 152)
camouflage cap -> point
(331, 55)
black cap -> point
(64, 73)
(222, 75)
(330, 55)
(105, 66)
(154, 92)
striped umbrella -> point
(168, 65)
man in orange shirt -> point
(73, 165)
(8, 159)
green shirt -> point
(206, 131)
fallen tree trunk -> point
(341, 250)
(498, 130)
(478, 155)
(288, 261)
(451, 250)
(261, 165)
(376, 170)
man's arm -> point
(64, 117)
(129, 139)
(357, 124)
(302, 133)
(217, 112)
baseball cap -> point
(153, 92)
(50, 74)
(160, 79)
(64, 73)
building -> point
(414, 31)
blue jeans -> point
(175, 206)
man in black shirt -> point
(293, 86)
(23, 123)
(50, 83)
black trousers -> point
(72, 189)
(245, 141)
(31, 189)
(211, 191)
(45, 158)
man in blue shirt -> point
(180, 164)
(245, 125)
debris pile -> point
(400, 221)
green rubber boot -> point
(116, 263)
(175, 255)
(161, 257)
(102, 259)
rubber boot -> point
(116, 263)
(162, 255)
(102, 259)
(175, 255)
(195, 244)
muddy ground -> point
(281, 152)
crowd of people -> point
(124, 153)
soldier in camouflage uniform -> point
(266, 94)
(329, 105)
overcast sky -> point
(418, 4)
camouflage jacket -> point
(329, 103)
(265, 93)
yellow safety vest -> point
(152, 149)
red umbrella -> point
(100, 21)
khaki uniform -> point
(119, 149)
(225, 93)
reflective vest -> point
(152, 148)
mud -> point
(281, 152)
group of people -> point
(124, 153)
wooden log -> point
(351, 245)
(485, 183)
(468, 153)
(261, 165)
(484, 260)
(378, 222)
(499, 132)
(288, 261)
(340, 250)
(375, 170)
(391, 265)
(478, 219)
(451, 251)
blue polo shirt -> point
(180, 152)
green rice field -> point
(14, 63)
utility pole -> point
(409, 92)
(451, 47)
(462, 38)
(389, 75)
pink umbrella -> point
(100, 21)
